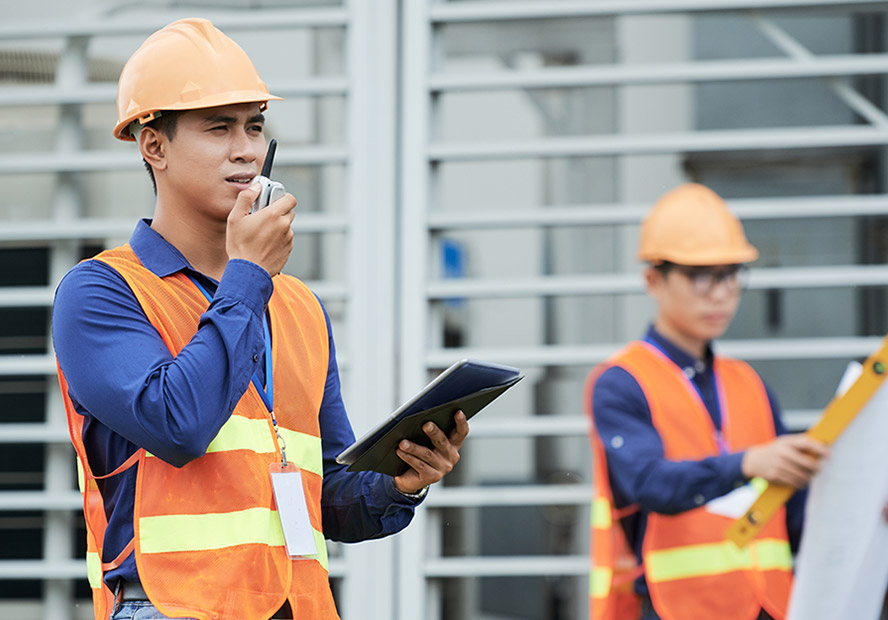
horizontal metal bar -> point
(529, 426)
(42, 296)
(453, 12)
(113, 26)
(580, 215)
(59, 230)
(41, 500)
(24, 365)
(548, 216)
(819, 277)
(588, 355)
(121, 160)
(95, 228)
(798, 420)
(562, 425)
(42, 569)
(551, 286)
(102, 161)
(626, 74)
(25, 296)
(608, 284)
(507, 566)
(33, 433)
(687, 142)
(12, 95)
(515, 495)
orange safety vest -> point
(208, 539)
(692, 571)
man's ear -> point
(152, 145)
(653, 279)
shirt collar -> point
(156, 253)
(679, 356)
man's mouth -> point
(241, 182)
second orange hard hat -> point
(187, 65)
(692, 225)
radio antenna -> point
(269, 158)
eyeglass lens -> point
(705, 279)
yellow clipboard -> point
(835, 419)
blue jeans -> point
(138, 610)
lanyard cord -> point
(266, 392)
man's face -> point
(213, 157)
(696, 303)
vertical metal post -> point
(371, 571)
(67, 206)
(414, 182)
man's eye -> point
(256, 128)
(218, 128)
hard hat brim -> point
(702, 258)
(121, 130)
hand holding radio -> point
(262, 234)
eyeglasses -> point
(705, 279)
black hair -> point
(166, 122)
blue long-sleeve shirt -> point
(134, 394)
(639, 472)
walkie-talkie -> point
(271, 190)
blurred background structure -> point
(470, 176)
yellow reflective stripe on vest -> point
(202, 532)
(321, 544)
(93, 569)
(240, 433)
(81, 478)
(601, 513)
(600, 582)
(715, 559)
(304, 450)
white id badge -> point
(289, 495)
(735, 504)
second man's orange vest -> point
(692, 571)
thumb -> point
(245, 201)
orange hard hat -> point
(187, 65)
(691, 225)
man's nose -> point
(242, 148)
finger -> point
(797, 475)
(804, 460)
(816, 448)
(459, 434)
(808, 444)
(446, 448)
(427, 473)
(439, 439)
(245, 201)
(283, 205)
(417, 451)
(441, 459)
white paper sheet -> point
(842, 565)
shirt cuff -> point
(405, 499)
(734, 468)
(248, 283)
